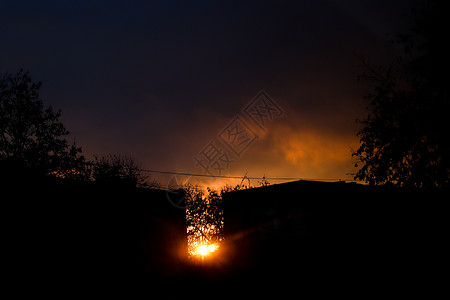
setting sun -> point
(204, 250)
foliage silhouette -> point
(31, 135)
(204, 216)
(405, 140)
(118, 169)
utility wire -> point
(236, 177)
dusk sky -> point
(161, 80)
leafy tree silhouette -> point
(405, 140)
(204, 216)
(114, 168)
(31, 135)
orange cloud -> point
(316, 153)
(299, 152)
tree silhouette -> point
(204, 217)
(119, 169)
(405, 138)
(31, 135)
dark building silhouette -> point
(326, 227)
(82, 236)
(284, 238)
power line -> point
(236, 177)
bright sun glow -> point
(204, 250)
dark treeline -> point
(33, 143)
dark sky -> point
(159, 80)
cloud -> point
(300, 152)
(315, 152)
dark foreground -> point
(85, 240)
